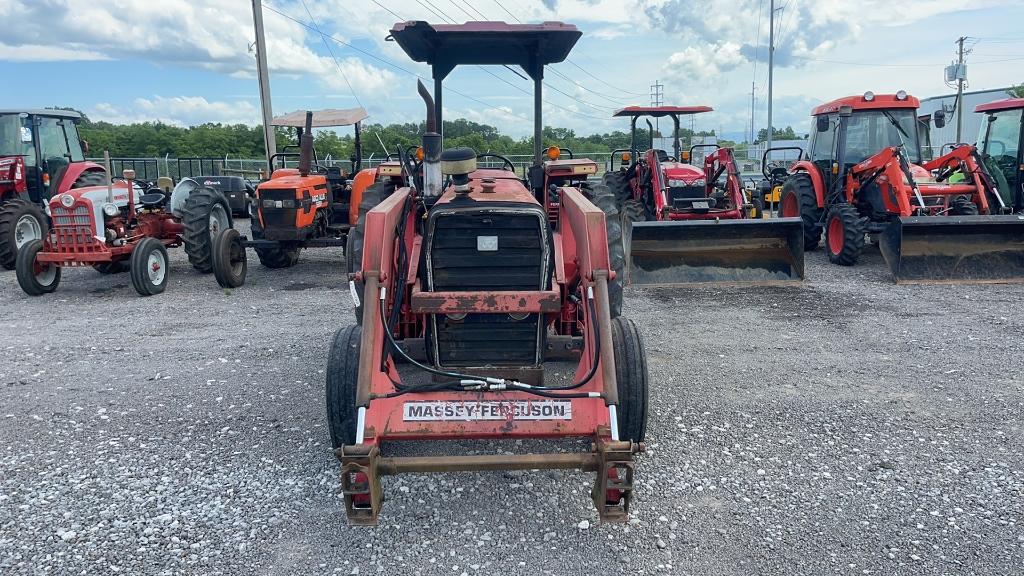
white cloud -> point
(38, 53)
(177, 111)
(703, 62)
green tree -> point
(1016, 91)
(785, 134)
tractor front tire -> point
(150, 267)
(230, 261)
(798, 200)
(342, 376)
(90, 178)
(34, 278)
(204, 215)
(961, 206)
(844, 235)
(631, 379)
(372, 196)
(21, 222)
(280, 255)
(602, 197)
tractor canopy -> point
(446, 46)
(673, 112)
(869, 101)
(327, 118)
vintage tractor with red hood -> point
(120, 227)
(865, 176)
(685, 224)
(469, 286)
(41, 155)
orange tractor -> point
(307, 206)
(1001, 144)
(687, 224)
(470, 280)
(865, 177)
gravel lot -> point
(848, 426)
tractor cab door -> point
(58, 146)
(823, 149)
(1001, 137)
(18, 138)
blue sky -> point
(188, 61)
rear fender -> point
(72, 173)
(816, 179)
(362, 180)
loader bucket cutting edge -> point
(723, 252)
(954, 249)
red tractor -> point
(307, 206)
(1001, 144)
(119, 227)
(864, 176)
(472, 280)
(692, 224)
(41, 155)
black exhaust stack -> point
(306, 146)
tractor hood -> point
(507, 188)
(88, 202)
(687, 173)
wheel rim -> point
(27, 229)
(836, 235)
(218, 219)
(789, 207)
(45, 273)
(156, 268)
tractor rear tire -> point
(844, 235)
(798, 200)
(964, 207)
(206, 212)
(631, 379)
(342, 376)
(616, 182)
(602, 197)
(281, 255)
(90, 178)
(35, 282)
(230, 261)
(373, 195)
(116, 267)
(21, 222)
(150, 267)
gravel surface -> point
(848, 426)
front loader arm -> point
(966, 160)
(891, 171)
(723, 160)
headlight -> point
(278, 203)
(110, 210)
(676, 183)
(697, 182)
(66, 200)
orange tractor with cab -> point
(865, 176)
(470, 280)
(1001, 144)
(307, 206)
(688, 224)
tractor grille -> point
(480, 250)
(274, 217)
(682, 197)
(73, 230)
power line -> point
(502, 6)
(388, 9)
(585, 71)
(614, 100)
(331, 52)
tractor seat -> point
(155, 198)
(662, 155)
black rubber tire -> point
(631, 379)
(10, 212)
(852, 235)
(281, 255)
(342, 377)
(801, 185)
(25, 270)
(616, 182)
(195, 217)
(90, 178)
(602, 197)
(961, 206)
(373, 195)
(116, 267)
(230, 262)
(140, 267)
(757, 212)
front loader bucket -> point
(954, 249)
(723, 251)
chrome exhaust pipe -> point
(433, 180)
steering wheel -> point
(505, 161)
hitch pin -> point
(613, 421)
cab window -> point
(824, 142)
(52, 143)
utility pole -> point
(753, 134)
(657, 99)
(771, 66)
(269, 140)
(960, 75)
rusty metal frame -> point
(489, 302)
